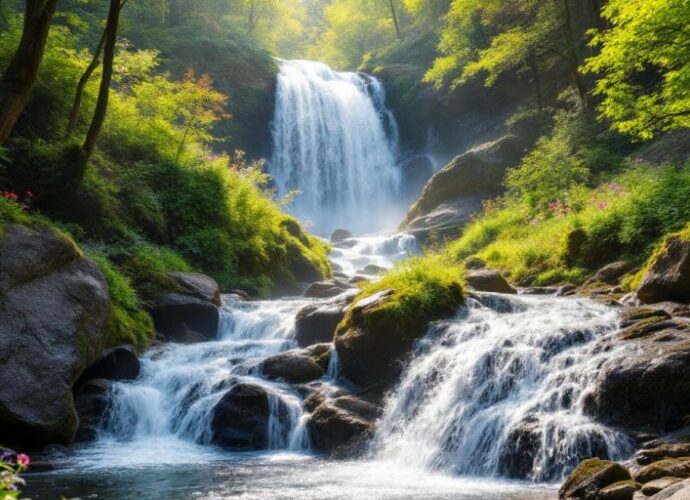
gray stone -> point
(488, 280)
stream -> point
(495, 393)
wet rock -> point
(92, 402)
(566, 290)
(633, 315)
(296, 367)
(240, 420)
(445, 220)
(646, 390)
(358, 280)
(185, 318)
(649, 326)
(198, 285)
(668, 277)
(622, 490)
(341, 427)
(540, 290)
(522, 447)
(669, 467)
(120, 363)
(373, 270)
(592, 476)
(655, 486)
(340, 235)
(488, 280)
(415, 172)
(666, 450)
(316, 323)
(54, 309)
(327, 289)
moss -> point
(128, 323)
(425, 289)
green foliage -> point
(643, 66)
(128, 323)
(425, 287)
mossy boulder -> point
(668, 467)
(592, 476)
(379, 331)
(668, 274)
(54, 318)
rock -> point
(198, 285)
(120, 363)
(372, 343)
(478, 173)
(415, 172)
(316, 323)
(327, 289)
(358, 280)
(340, 235)
(342, 426)
(633, 315)
(612, 273)
(474, 264)
(592, 476)
(622, 490)
(522, 447)
(678, 491)
(240, 419)
(185, 318)
(540, 290)
(446, 220)
(648, 389)
(54, 311)
(669, 467)
(647, 327)
(668, 277)
(666, 450)
(373, 270)
(655, 486)
(295, 367)
(566, 290)
(488, 280)
(92, 402)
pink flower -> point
(23, 460)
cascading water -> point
(336, 143)
(501, 391)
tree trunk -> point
(396, 23)
(22, 71)
(253, 17)
(81, 85)
(107, 76)
(572, 56)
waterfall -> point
(336, 143)
(502, 389)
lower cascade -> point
(501, 390)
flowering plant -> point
(11, 466)
(22, 201)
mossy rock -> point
(591, 477)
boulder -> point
(622, 490)
(415, 172)
(445, 220)
(478, 173)
(295, 367)
(54, 309)
(317, 322)
(655, 486)
(342, 426)
(327, 289)
(632, 315)
(668, 277)
(372, 342)
(185, 318)
(373, 270)
(678, 491)
(92, 402)
(488, 280)
(666, 450)
(240, 419)
(648, 389)
(340, 235)
(592, 476)
(120, 363)
(668, 467)
(612, 273)
(198, 285)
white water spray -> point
(501, 391)
(335, 141)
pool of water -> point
(212, 474)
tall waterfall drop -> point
(336, 143)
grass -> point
(426, 288)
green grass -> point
(426, 288)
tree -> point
(644, 66)
(495, 36)
(81, 86)
(22, 71)
(110, 40)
